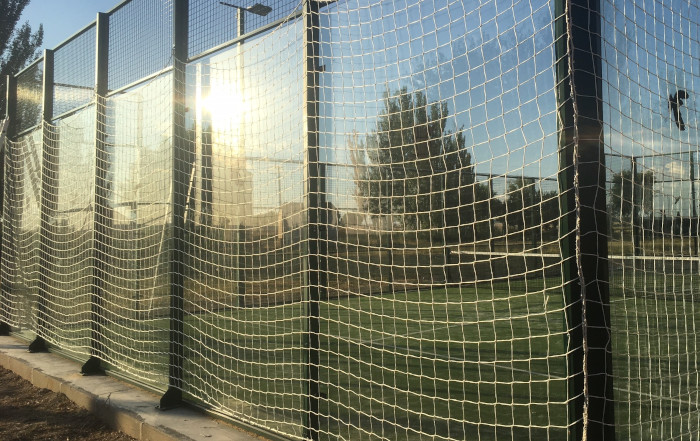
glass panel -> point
(140, 41)
(136, 304)
(444, 317)
(74, 73)
(246, 322)
(215, 23)
(650, 78)
(29, 96)
(70, 232)
(22, 215)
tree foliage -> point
(412, 172)
(531, 208)
(622, 200)
(18, 44)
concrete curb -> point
(122, 406)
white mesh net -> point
(650, 85)
(372, 219)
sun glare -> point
(226, 106)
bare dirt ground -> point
(28, 413)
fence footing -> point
(5, 328)
(38, 345)
(171, 399)
(92, 367)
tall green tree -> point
(413, 171)
(18, 44)
(521, 203)
(529, 207)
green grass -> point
(655, 363)
(480, 362)
(485, 361)
(446, 362)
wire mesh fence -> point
(29, 97)
(361, 219)
(74, 73)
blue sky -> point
(63, 18)
(492, 67)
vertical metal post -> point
(205, 141)
(534, 228)
(585, 264)
(183, 161)
(567, 228)
(694, 204)
(636, 200)
(240, 19)
(103, 212)
(11, 105)
(242, 235)
(11, 113)
(49, 182)
(492, 240)
(241, 261)
(316, 202)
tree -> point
(529, 207)
(487, 209)
(18, 45)
(622, 199)
(414, 172)
(521, 203)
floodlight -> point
(257, 9)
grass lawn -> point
(448, 362)
(482, 361)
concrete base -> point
(122, 406)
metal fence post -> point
(11, 105)
(694, 205)
(242, 231)
(182, 163)
(103, 213)
(492, 194)
(241, 262)
(316, 202)
(585, 264)
(534, 230)
(49, 181)
(636, 200)
(11, 113)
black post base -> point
(5, 328)
(38, 345)
(92, 367)
(171, 399)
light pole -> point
(638, 200)
(262, 11)
(694, 204)
(257, 8)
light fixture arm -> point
(257, 9)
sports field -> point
(444, 362)
(486, 360)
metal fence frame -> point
(578, 71)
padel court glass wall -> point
(369, 219)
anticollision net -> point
(429, 135)
(650, 84)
